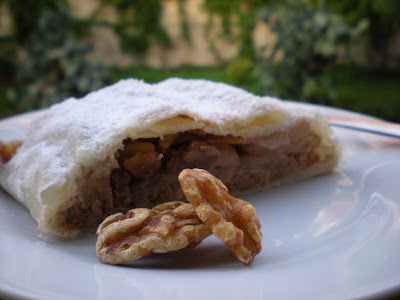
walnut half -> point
(167, 227)
(231, 220)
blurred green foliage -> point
(302, 65)
(383, 15)
(25, 17)
(240, 14)
(8, 58)
(224, 9)
(298, 64)
(240, 70)
(139, 24)
(369, 90)
(55, 65)
(24, 22)
(185, 32)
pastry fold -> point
(123, 147)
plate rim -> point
(13, 293)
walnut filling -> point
(146, 173)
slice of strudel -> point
(123, 147)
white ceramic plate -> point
(332, 237)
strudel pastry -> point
(122, 147)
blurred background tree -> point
(242, 16)
(53, 65)
(308, 39)
(309, 50)
(234, 13)
(383, 17)
(139, 24)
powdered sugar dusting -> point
(79, 133)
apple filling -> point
(145, 172)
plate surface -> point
(332, 237)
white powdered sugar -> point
(80, 133)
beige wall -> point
(106, 42)
(5, 21)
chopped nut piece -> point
(231, 220)
(167, 227)
(130, 149)
(227, 139)
(143, 165)
(167, 140)
(7, 150)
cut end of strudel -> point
(123, 147)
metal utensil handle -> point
(368, 125)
